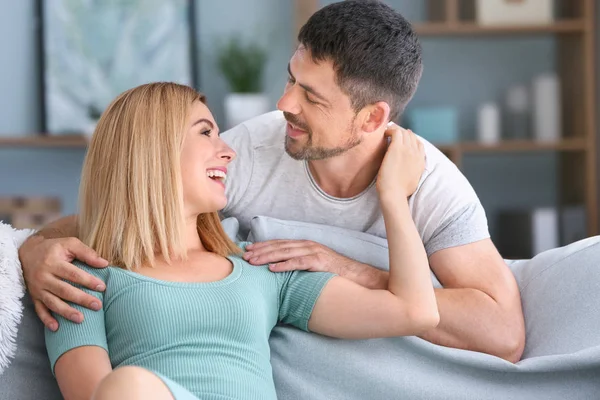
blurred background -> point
(508, 94)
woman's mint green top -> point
(211, 338)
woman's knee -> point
(132, 383)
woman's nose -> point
(227, 153)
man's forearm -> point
(469, 318)
(365, 275)
(472, 320)
(64, 227)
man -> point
(357, 65)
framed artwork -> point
(93, 50)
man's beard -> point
(310, 152)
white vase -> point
(240, 107)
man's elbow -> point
(422, 321)
(510, 346)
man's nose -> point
(288, 102)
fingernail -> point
(76, 318)
(100, 288)
(247, 255)
(95, 306)
(254, 260)
(53, 326)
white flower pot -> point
(240, 107)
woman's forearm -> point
(409, 276)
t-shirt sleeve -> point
(239, 171)
(446, 209)
(298, 294)
(91, 332)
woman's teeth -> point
(216, 174)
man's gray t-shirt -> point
(265, 180)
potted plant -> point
(243, 65)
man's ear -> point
(375, 116)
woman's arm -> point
(79, 371)
(408, 306)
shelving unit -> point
(574, 30)
(41, 140)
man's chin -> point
(293, 148)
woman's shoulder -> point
(102, 273)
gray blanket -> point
(560, 291)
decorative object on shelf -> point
(547, 116)
(517, 122)
(488, 123)
(525, 233)
(573, 224)
(94, 50)
(242, 65)
(29, 212)
(514, 12)
(438, 125)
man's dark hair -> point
(375, 53)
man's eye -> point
(291, 80)
(309, 100)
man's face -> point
(321, 120)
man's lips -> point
(293, 131)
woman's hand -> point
(403, 164)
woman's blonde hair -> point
(131, 196)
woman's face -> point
(204, 160)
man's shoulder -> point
(263, 131)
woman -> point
(183, 315)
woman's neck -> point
(191, 237)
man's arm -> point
(46, 261)
(479, 306)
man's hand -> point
(46, 264)
(290, 255)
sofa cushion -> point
(562, 357)
(29, 376)
(560, 288)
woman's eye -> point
(290, 80)
(206, 133)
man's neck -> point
(349, 174)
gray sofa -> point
(561, 302)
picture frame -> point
(91, 51)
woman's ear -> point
(375, 116)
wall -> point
(56, 172)
(489, 65)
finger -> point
(83, 253)
(392, 129)
(44, 314)
(266, 243)
(296, 264)
(279, 255)
(61, 308)
(275, 245)
(67, 292)
(73, 274)
(414, 140)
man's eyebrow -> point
(308, 88)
